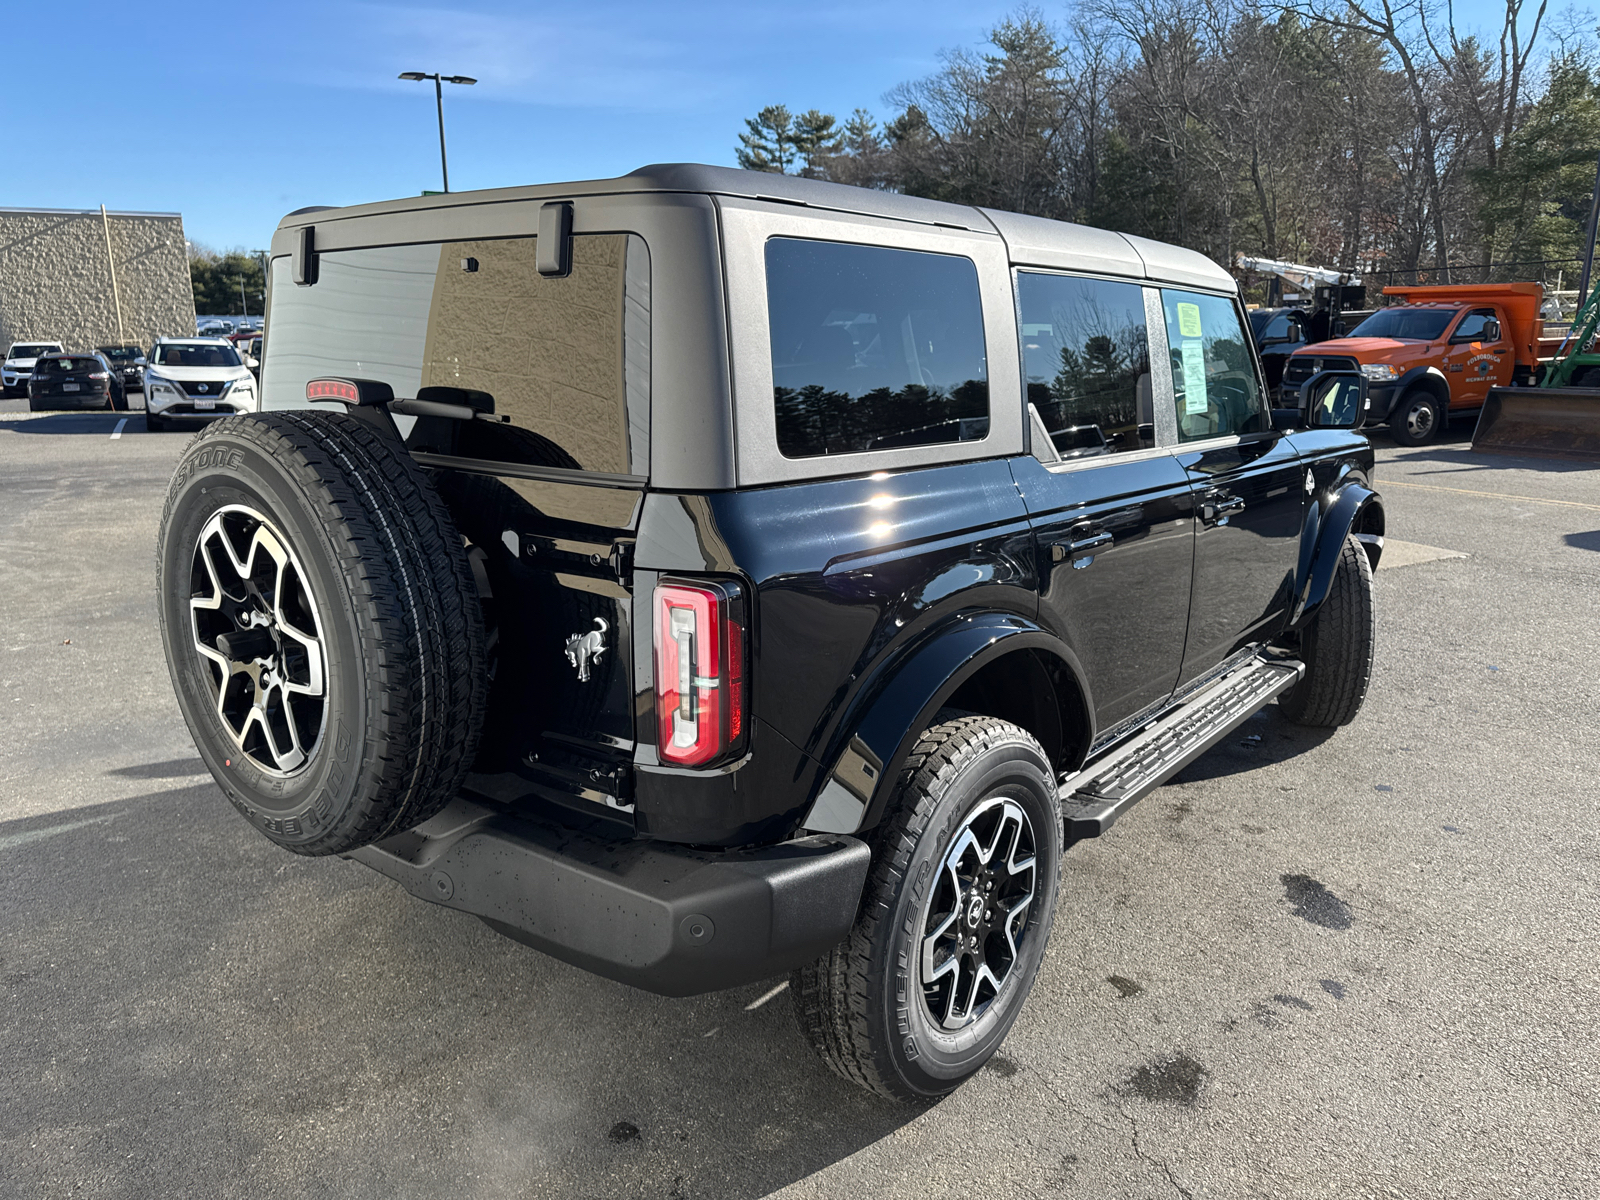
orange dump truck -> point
(1436, 354)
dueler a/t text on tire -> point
(322, 628)
(954, 920)
(1337, 647)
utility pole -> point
(438, 96)
(116, 294)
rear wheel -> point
(321, 626)
(1416, 419)
(1337, 647)
(954, 920)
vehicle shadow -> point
(100, 422)
(230, 1019)
(1583, 541)
(1267, 737)
(1458, 457)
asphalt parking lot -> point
(1354, 965)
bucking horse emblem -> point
(585, 649)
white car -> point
(18, 368)
(189, 380)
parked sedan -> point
(74, 381)
(127, 362)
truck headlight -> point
(1380, 372)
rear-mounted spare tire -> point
(322, 627)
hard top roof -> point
(1031, 240)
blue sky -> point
(235, 115)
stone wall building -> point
(57, 271)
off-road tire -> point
(1405, 430)
(400, 626)
(861, 1006)
(1337, 647)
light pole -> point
(438, 95)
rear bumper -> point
(665, 918)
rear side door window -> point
(1086, 362)
(1214, 381)
(873, 348)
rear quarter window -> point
(873, 348)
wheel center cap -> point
(974, 911)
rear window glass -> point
(873, 348)
(67, 366)
(195, 356)
(565, 359)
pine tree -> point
(816, 136)
(770, 145)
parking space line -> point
(1433, 487)
(117, 432)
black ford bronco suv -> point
(705, 575)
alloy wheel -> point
(977, 913)
(255, 625)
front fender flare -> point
(1322, 540)
(879, 731)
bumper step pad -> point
(1093, 799)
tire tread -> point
(419, 627)
(1338, 647)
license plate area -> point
(204, 404)
(70, 387)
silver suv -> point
(189, 380)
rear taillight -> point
(701, 635)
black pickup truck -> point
(703, 576)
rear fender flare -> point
(877, 735)
(1322, 537)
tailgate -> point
(554, 562)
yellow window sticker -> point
(1194, 374)
(1189, 320)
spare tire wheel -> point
(322, 627)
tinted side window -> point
(1471, 327)
(873, 348)
(1086, 359)
(1213, 376)
(566, 359)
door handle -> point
(1080, 551)
(1216, 508)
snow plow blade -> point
(1552, 422)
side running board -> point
(1093, 799)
